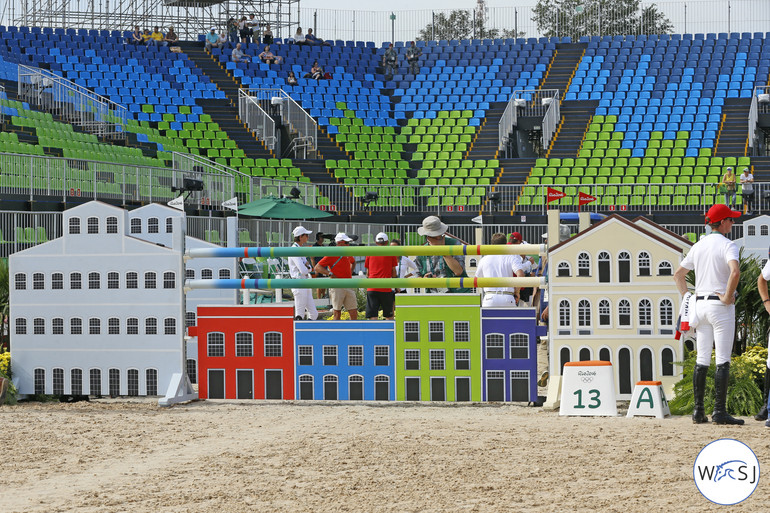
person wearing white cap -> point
(437, 266)
(299, 268)
(728, 187)
(380, 267)
(747, 189)
(340, 267)
(499, 266)
(715, 261)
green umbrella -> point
(280, 208)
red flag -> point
(584, 199)
(553, 194)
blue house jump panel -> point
(345, 360)
(509, 354)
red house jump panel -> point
(246, 352)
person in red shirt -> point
(380, 267)
(340, 267)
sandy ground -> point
(115, 455)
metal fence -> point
(760, 104)
(73, 103)
(22, 230)
(2, 111)
(215, 189)
(539, 103)
(552, 118)
(256, 118)
(268, 104)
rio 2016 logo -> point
(726, 471)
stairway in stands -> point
(575, 117)
(733, 130)
(487, 136)
(563, 65)
(512, 172)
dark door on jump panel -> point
(306, 388)
(273, 384)
(519, 387)
(496, 386)
(413, 389)
(381, 390)
(624, 371)
(216, 384)
(356, 390)
(438, 389)
(330, 390)
(463, 389)
(245, 384)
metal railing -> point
(760, 103)
(302, 126)
(36, 177)
(256, 118)
(200, 168)
(22, 230)
(539, 103)
(2, 110)
(72, 103)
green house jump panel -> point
(438, 350)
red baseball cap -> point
(515, 236)
(719, 212)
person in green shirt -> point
(440, 266)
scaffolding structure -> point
(188, 17)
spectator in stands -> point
(291, 79)
(340, 267)
(146, 36)
(267, 35)
(212, 39)
(136, 37)
(747, 189)
(312, 40)
(171, 37)
(729, 187)
(299, 37)
(156, 38)
(238, 55)
(316, 72)
(437, 266)
(269, 58)
(254, 24)
(413, 55)
(232, 30)
(244, 30)
(390, 61)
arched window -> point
(132, 326)
(38, 281)
(495, 346)
(215, 344)
(624, 313)
(584, 264)
(751, 230)
(644, 263)
(624, 267)
(113, 280)
(563, 270)
(113, 326)
(519, 345)
(150, 280)
(169, 326)
(645, 313)
(151, 326)
(585, 354)
(604, 267)
(565, 319)
(112, 225)
(133, 381)
(152, 225)
(114, 377)
(74, 225)
(605, 314)
(646, 365)
(94, 280)
(244, 344)
(763, 230)
(224, 274)
(667, 361)
(169, 224)
(151, 381)
(189, 274)
(95, 381)
(132, 280)
(665, 268)
(57, 281)
(76, 382)
(136, 225)
(584, 313)
(273, 343)
(21, 326)
(94, 326)
(564, 356)
(605, 355)
(666, 315)
(20, 279)
(169, 280)
(38, 326)
(75, 281)
(93, 225)
(207, 274)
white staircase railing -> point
(760, 103)
(73, 103)
(256, 118)
(272, 104)
(199, 168)
(530, 103)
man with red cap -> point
(715, 261)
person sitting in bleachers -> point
(171, 37)
(269, 57)
(238, 55)
(136, 37)
(298, 38)
(156, 38)
(312, 40)
(146, 36)
(212, 39)
(316, 72)
(291, 79)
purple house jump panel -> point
(509, 354)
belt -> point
(501, 292)
(715, 298)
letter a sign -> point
(554, 194)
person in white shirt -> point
(406, 267)
(299, 268)
(499, 266)
(762, 280)
(715, 261)
(747, 189)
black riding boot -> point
(762, 415)
(720, 415)
(699, 388)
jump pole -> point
(456, 250)
(352, 283)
